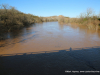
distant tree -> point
(89, 12)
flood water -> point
(49, 36)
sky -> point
(45, 8)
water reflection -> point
(98, 33)
(18, 36)
(49, 36)
(61, 26)
(84, 29)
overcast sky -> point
(69, 8)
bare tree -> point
(89, 12)
(99, 15)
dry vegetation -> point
(49, 19)
(88, 18)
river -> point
(49, 36)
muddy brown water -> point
(50, 49)
(49, 36)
